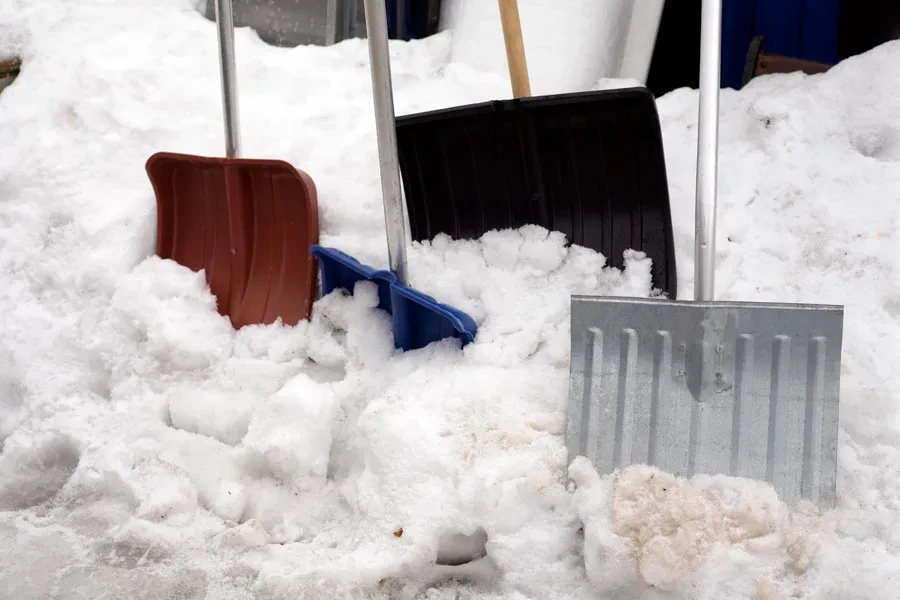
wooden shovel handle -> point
(515, 48)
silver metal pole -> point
(225, 24)
(391, 190)
(707, 151)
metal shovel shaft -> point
(225, 26)
(388, 160)
(707, 151)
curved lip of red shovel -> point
(248, 223)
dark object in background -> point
(676, 56)
(590, 165)
(865, 24)
(325, 22)
(418, 18)
(796, 28)
(293, 22)
(793, 28)
(824, 31)
(762, 63)
(9, 70)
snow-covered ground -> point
(149, 451)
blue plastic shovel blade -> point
(342, 271)
(418, 319)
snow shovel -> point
(248, 223)
(418, 319)
(735, 388)
(590, 165)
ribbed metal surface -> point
(742, 389)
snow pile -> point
(647, 530)
(147, 450)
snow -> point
(149, 451)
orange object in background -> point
(249, 223)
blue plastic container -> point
(796, 28)
(418, 319)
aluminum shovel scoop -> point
(737, 388)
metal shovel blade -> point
(734, 388)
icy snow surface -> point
(148, 451)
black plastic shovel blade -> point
(590, 165)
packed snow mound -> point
(647, 530)
(148, 450)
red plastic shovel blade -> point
(249, 223)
